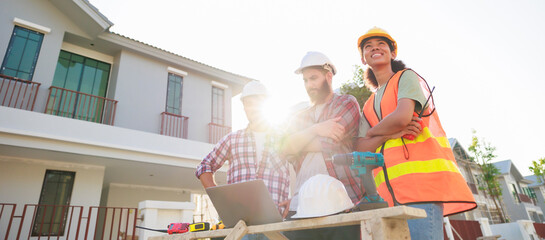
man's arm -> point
(306, 139)
(213, 161)
(207, 180)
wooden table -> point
(378, 224)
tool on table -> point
(409, 136)
(175, 228)
(364, 163)
(220, 225)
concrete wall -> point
(130, 195)
(21, 181)
(141, 88)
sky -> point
(485, 58)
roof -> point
(506, 167)
(459, 150)
(535, 181)
(94, 23)
(85, 15)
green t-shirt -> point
(409, 87)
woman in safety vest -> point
(420, 169)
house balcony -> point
(174, 125)
(216, 132)
(18, 93)
(78, 105)
(525, 198)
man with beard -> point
(251, 152)
(326, 128)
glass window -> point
(218, 106)
(174, 94)
(56, 192)
(22, 54)
(81, 75)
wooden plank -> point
(238, 232)
(275, 236)
(385, 228)
(384, 223)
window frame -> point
(180, 99)
(10, 47)
(220, 120)
(66, 198)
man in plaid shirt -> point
(326, 128)
(250, 152)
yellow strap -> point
(423, 136)
(429, 166)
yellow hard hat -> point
(377, 32)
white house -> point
(97, 122)
(520, 202)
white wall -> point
(21, 181)
(130, 195)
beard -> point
(320, 94)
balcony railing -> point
(525, 198)
(71, 104)
(174, 125)
(18, 93)
(67, 222)
(216, 132)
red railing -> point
(540, 229)
(68, 222)
(464, 229)
(525, 198)
(216, 132)
(67, 103)
(174, 125)
(18, 93)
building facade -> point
(91, 118)
(519, 198)
(472, 172)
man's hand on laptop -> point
(286, 205)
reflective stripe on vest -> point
(429, 173)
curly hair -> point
(370, 81)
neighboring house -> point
(537, 192)
(471, 172)
(518, 197)
(91, 118)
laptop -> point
(249, 201)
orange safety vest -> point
(422, 170)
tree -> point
(483, 153)
(356, 87)
(538, 168)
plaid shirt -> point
(239, 149)
(346, 107)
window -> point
(22, 54)
(83, 75)
(218, 106)
(174, 94)
(56, 190)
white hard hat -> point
(253, 88)
(316, 59)
(322, 195)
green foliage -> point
(482, 154)
(355, 86)
(538, 168)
